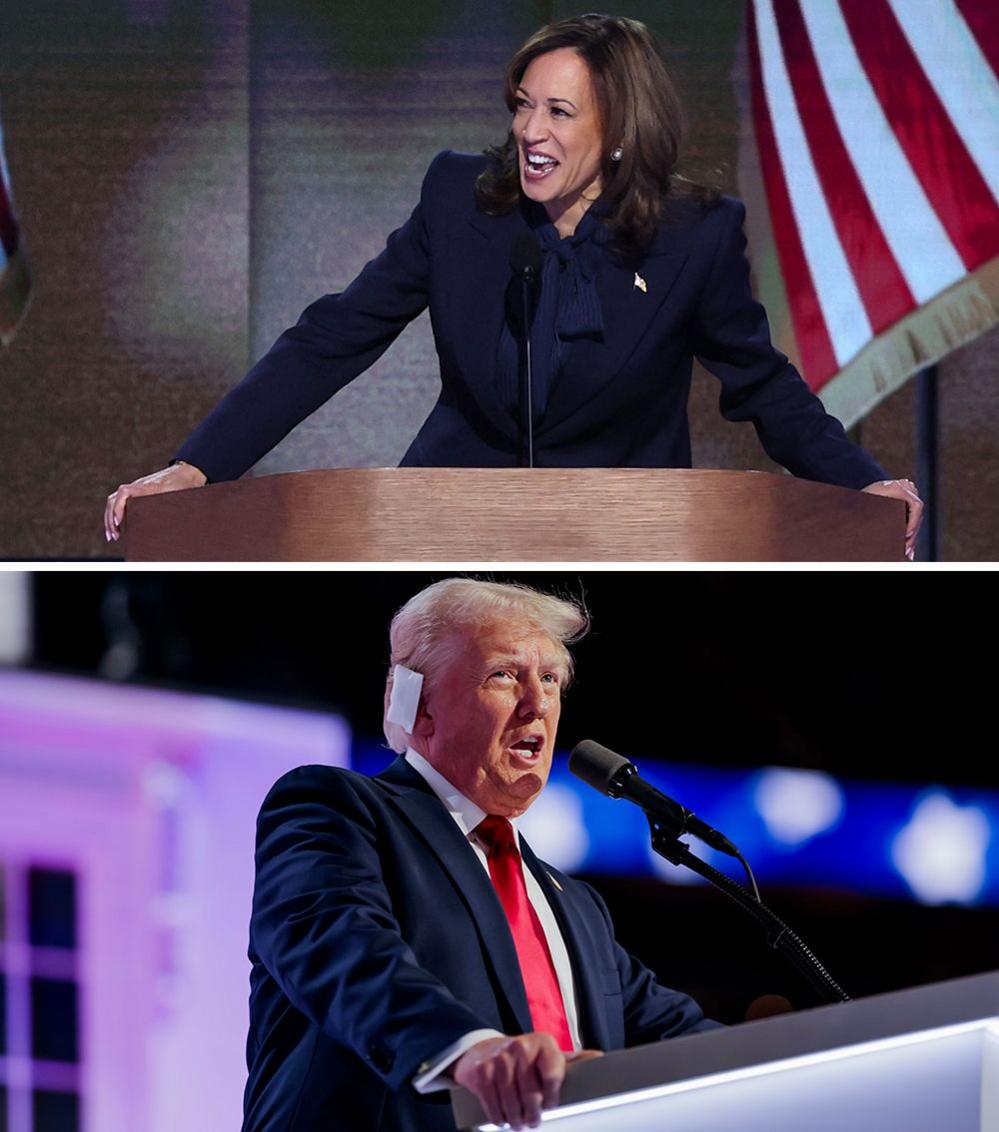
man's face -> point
(488, 720)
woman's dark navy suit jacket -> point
(620, 402)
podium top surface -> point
(826, 1032)
(523, 515)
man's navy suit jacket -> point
(620, 400)
(377, 940)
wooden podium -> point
(921, 1060)
(521, 515)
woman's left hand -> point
(906, 491)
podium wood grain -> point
(530, 515)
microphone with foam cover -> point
(617, 777)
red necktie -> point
(544, 997)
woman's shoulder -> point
(454, 173)
(689, 212)
(697, 222)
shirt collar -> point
(465, 812)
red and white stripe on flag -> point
(15, 282)
(877, 125)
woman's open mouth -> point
(537, 166)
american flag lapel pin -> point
(641, 284)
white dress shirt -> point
(467, 815)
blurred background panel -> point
(835, 726)
(126, 130)
(126, 850)
(188, 176)
(349, 104)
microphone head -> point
(525, 256)
(596, 765)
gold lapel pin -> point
(555, 882)
(641, 284)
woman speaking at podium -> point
(635, 271)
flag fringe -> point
(15, 288)
(951, 319)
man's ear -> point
(423, 726)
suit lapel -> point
(482, 248)
(425, 813)
(628, 312)
(481, 255)
(482, 275)
(589, 995)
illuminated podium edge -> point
(782, 1044)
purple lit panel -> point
(149, 798)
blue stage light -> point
(932, 844)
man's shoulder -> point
(332, 785)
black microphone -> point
(612, 774)
(525, 262)
(525, 259)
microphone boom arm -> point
(779, 936)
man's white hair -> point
(421, 637)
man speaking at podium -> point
(404, 938)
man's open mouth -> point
(529, 747)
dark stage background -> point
(863, 675)
(191, 173)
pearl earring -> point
(617, 154)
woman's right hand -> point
(176, 477)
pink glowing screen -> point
(126, 869)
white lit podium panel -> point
(922, 1060)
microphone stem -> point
(780, 937)
(528, 376)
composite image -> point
(497, 554)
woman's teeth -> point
(537, 167)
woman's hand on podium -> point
(175, 477)
(907, 491)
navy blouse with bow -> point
(566, 304)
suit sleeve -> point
(732, 339)
(338, 337)
(323, 926)
(652, 1012)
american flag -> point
(877, 125)
(15, 283)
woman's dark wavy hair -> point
(639, 110)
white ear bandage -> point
(404, 698)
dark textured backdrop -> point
(190, 174)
